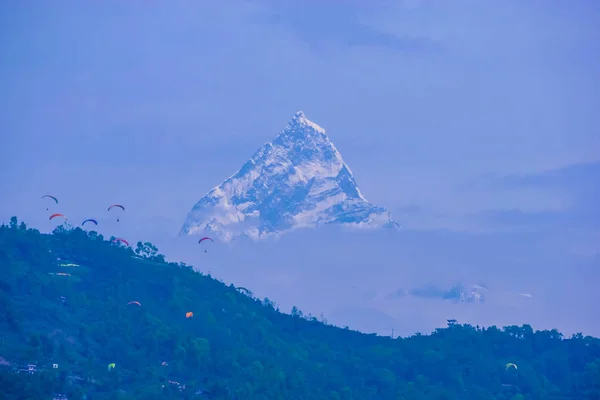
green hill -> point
(235, 346)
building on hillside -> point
(179, 386)
(28, 369)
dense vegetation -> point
(236, 346)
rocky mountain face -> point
(299, 180)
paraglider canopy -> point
(189, 314)
(51, 197)
(90, 220)
(118, 206)
(243, 290)
(111, 366)
(56, 215)
(117, 240)
(135, 302)
(508, 365)
(203, 239)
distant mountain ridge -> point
(299, 180)
(458, 293)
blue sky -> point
(435, 105)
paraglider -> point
(57, 215)
(111, 366)
(508, 365)
(90, 220)
(135, 302)
(118, 206)
(117, 240)
(244, 290)
(50, 197)
(203, 239)
(189, 314)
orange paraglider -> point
(189, 314)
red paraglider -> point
(116, 240)
(56, 215)
(118, 206)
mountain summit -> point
(298, 180)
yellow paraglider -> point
(111, 366)
(189, 314)
(511, 365)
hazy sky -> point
(459, 116)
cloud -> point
(536, 220)
(581, 178)
(459, 292)
(577, 187)
(320, 22)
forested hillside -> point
(92, 318)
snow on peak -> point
(299, 180)
(300, 121)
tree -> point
(149, 251)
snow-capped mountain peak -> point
(301, 122)
(297, 180)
